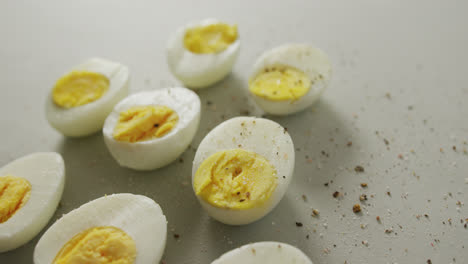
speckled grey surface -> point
(399, 74)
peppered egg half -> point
(118, 228)
(151, 129)
(264, 252)
(289, 78)
(81, 99)
(30, 190)
(242, 169)
(203, 52)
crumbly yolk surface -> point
(140, 123)
(210, 39)
(98, 245)
(235, 179)
(280, 84)
(79, 88)
(14, 193)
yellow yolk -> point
(235, 179)
(79, 88)
(280, 84)
(210, 39)
(98, 245)
(140, 123)
(14, 193)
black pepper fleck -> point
(359, 168)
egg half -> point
(264, 252)
(242, 169)
(80, 101)
(30, 190)
(289, 78)
(202, 53)
(118, 228)
(151, 129)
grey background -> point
(399, 73)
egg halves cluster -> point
(30, 190)
(242, 169)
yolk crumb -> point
(210, 39)
(14, 193)
(280, 83)
(140, 123)
(235, 179)
(79, 88)
(98, 245)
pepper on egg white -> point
(289, 78)
(242, 169)
(264, 252)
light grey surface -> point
(399, 73)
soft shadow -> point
(324, 141)
(279, 225)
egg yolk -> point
(140, 123)
(14, 193)
(210, 39)
(79, 88)
(235, 179)
(98, 245)
(280, 83)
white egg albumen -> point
(261, 136)
(199, 70)
(158, 152)
(45, 171)
(137, 215)
(312, 61)
(264, 252)
(87, 119)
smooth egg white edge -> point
(227, 136)
(158, 152)
(312, 61)
(198, 71)
(46, 173)
(264, 252)
(137, 215)
(87, 119)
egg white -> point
(158, 152)
(87, 119)
(310, 60)
(45, 171)
(138, 216)
(258, 135)
(264, 252)
(199, 70)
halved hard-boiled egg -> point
(120, 228)
(151, 129)
(82, 98)
(202, 53)
(289, 78)
(242, 169)
(264, 252)
(30, 190)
